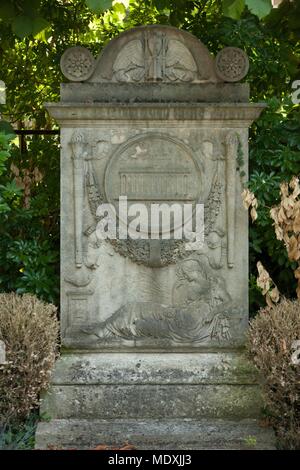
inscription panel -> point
(156, 185)
(153, 169)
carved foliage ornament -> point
(231, 64)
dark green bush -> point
(29, 224)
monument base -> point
(196, 400)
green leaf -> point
(99, 6)
(7, 10)
(119, 8)
(4, 208)
(260, 8)
(31, 7)
(10, 190)
(39, 25)
(6, 127)
(22, 26)
(161, 4)
(233, 8)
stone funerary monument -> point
(152, 333)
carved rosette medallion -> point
(231, 64)
(77, 64)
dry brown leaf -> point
(283, 345)
(14, 169)
(298, 291)
(253, 214)
(297, 273)
(127, 447)
(293, 249)
(274, 294)
(296, 224)
(101, 447)
(247, 197)
(19, 182)
(278, 232)
(294, 184)
(284, 189)
(38, 176)
(274, 213)
(281, 217)
(263, 280)
(269, 301)
(288, 203)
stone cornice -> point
(100, 114)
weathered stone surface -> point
(133, 116)
(155, 53)
(77, 63)
(231, 64)
(176, 434)
(210, 368)
(148, 292)
(154, 92)
(153, 401)
(144, 385)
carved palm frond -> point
(94, 196)
(212, 204)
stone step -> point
(151, 386)
(153, 401)
(210, 367)
(163, 434)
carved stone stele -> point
(152, 330)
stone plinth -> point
(170, 401)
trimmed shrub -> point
(271, 343)
(29, 329)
